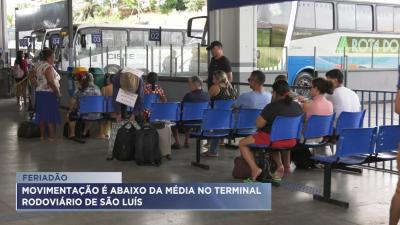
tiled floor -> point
(369, 194)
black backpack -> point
(28, 129)
(147, 150)
(124, 146)
(301, 157)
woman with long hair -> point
(222, 89)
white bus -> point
(113, 46)
(301, 37)
(325, 34)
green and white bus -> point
(318, 35)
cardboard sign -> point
(126, 98)
(136, 72)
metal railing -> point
(379, 106)
(380, 111)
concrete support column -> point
(3, 26)
(70, 32)
(236, 28)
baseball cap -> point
(213, 44)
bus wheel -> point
(303, 83)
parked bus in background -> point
(111, 47)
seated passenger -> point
(258, 98)
(196, 94)
(343, 99)
(86, 87)
(152, 87)
(292, 94)
(281, 77)
(222, 89)
(319, 105)
(106, 91)
(283, 105)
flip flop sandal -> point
(249, 180)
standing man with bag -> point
(218, 62)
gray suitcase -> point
(165, 140)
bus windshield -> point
(37, 37)
(272, 24)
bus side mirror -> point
(201, 23)
(83, 41)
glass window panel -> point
(324, 15)
(347, 16)
(385, 18)
(305, 15)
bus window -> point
(264, 37)
(272, 26)
(305, 15)
(318, 15)
(397, 20)
(364, 17)
(38, 40)
(84, 43)
(114, 38)
(324, 16)
(276, 18)
(384, 18)
(136, 38)
(347, 16)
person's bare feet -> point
(288, 169)
(278, 174)
(255, 174)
